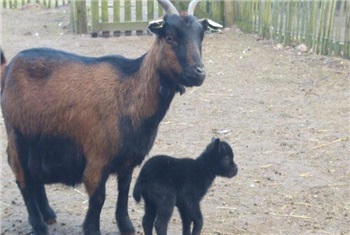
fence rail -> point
(133, 15)
(322, 25)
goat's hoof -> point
(132, 233)
(128, 231)
(40, 230)
(49, 217)
(91, 230)
(125, 226)
(50, 221)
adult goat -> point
(72, 119)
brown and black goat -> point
(72, 119)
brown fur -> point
(104, 114)
(15, 162)
(83, 105)
(2, 70)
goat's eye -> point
(227, 158)
(169, 38)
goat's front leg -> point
(95, 184)
(197, 218)
(43, 203)
(121, 214)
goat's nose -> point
(199, 70)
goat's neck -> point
(207, 166)
(154, 91)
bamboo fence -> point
(323, 26)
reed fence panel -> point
(322, 25)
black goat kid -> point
(73, 119)
(165, 182)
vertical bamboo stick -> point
(326, 25)
(309, 25)
(267, 19)
(250, 13)
(314, 23)
(297, 20)
(347, 31)
(330, 32)
(261, 7)
(116, 15)
(288, 25)
(127, 15)
(139, 14)
(319, 37)
(150, 10)
(104, 15)
(94, 17)
(281, 32)
(304, 9)
(274, 19)
(256, 15)
(338, 30)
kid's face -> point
(228, 166)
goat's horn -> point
(192, 7)
(168, 7)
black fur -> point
(126, 67)
(2, 60)
(51, 159)
(165, 182)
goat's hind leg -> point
(165, 208)
(121, 214)
(25, 184)
(149, 217)
(186, 219)
(34, 214)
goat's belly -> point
(54, 160)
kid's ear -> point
(216, 142)
(155, 26)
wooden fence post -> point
(78, 16)
(218, 11)
(229, 9)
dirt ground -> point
(286, 114)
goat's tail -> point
(138, 190)
(2, 71)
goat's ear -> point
(155, 26)
(206, 23)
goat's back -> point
(53, 92)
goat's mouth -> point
(190, 79)
(233, 172)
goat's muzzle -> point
(194, 76)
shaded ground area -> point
(286, 114)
